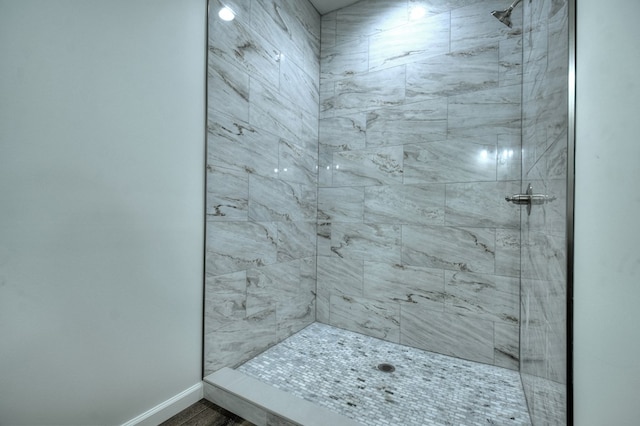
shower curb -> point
(265, 405)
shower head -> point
(504, 16)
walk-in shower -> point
(357, 169)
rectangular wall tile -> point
(482, 204)
(367, 316)
(366, 241)
(227, 194)
(377, 166)
(274, 200)
(345, 204)
(372, 90)
(460, 249)
(405, 204)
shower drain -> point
(386, 368)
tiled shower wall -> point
(420, 133)
(544, 273)
(262, 137)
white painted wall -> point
(101, 207)
(607, 242)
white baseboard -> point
(168, 408)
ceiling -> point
(326, 6)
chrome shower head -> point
(504, 16)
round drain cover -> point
(387, 368)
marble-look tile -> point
(372, 90)
(237, 43)
(459, 249)
(369, 17)
(509, 157)
(543, 256)
(345, 204)
(416, 122)
(487, 112)
(434, 7)
(225, 299)
(327, 99)
(235, 246)
(345, 60)
(508, 252)
(379, 166)
(235, 144)
(404, 284)
(274, 200)
(336, 277)
(241, 8)
(363, 241)
(454, 73)
(273, 21)
(328, 23)
(483, 296)
(299, 88)
(296, 240)
(265, 284)
(368, 316)
(510, 62)
(228, 88)
(344, 133)
(547, 400)
(482, 204)
(454, 160)
(449, 334)
(471, 26)
(297, 163)
(415, 41)
(324, 239)
(405, 204)
(239, 341)
(507, 346)
(273, 112)
(227, 194)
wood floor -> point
(205, 413)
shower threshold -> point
(337, 372)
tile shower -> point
(356, 173)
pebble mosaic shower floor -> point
(338, 369)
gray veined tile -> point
(227, 194)
(228, 88)
(274, 200)
(340, 276)
(345, 204)
(325, 168)
(434, 7)
(509, 157)
(449, 334)
(328, 24)
(324, 239)
(345, 133)
(377, 166)
(482, 204)
(507, 346)
(488, 112)
(235, 246)
(490, 297)
(327, 99)
(369, 17)
(345, 60)
(372, 90)
(235, 42)
(473, 25)
(454, 73)
(508, 252)
(366, 316)
(296, 240)
(297, 163)
(225, 299)
(271, 111)
(263, 285)
(410, 43)
(241, 9)
(366, 241)
(239, 341)
(454, 160)
(273, 21)
(405, 204)
(511, 62)
(298, 87)
(404, 284)
(235, 144)
(417, 122)
(462, 249)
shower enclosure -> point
(357, 168)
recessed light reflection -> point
(417, 12)
(226, 14)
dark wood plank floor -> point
(205, 413)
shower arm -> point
(514, 4)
